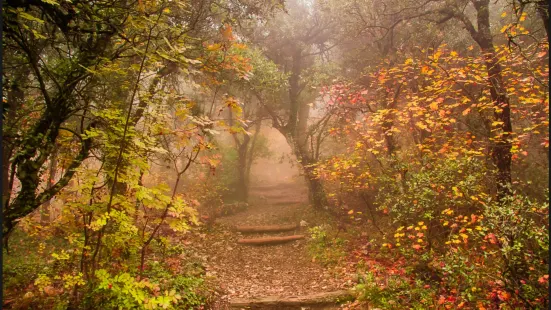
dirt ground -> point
(245, 271)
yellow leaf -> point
(453, 54)
(408, 61)
(467, 110)
(424, 70)
(421, 125)
(503, 14)
(434, 106)
(351, 211)
(214, 47)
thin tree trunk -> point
(243, 155)
(250, 160)
(316, 192)
(388, 123)
(543, 11)
(15, 98)
(500, 141)
(45, 214)
(501, 148)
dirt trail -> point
(245, 271)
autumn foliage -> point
(418, 137)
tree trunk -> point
(295, 132)
(15, 97)
(294, 90)
(543, 11)
(45, 216)
(317, 194)
(388, 122)
(250, 160)
(501, 148)
(500, 141)
(242, 178)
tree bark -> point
(543, 11)
(250, 160)
(388, 122)
(294, 90)
(45, 216)
(242, 178)
(500, 142)
(15, 98)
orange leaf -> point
(227, 33)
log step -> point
(286, 202)
(292, 302)
(269, 240)
(268, 228)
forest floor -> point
(245, 271)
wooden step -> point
(286, 201)
(292, 302)
(267, 228)
(269, 240)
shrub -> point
(323, 248)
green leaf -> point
(52, 2)
(38, 35)
(28, 16)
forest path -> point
(245, 271)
